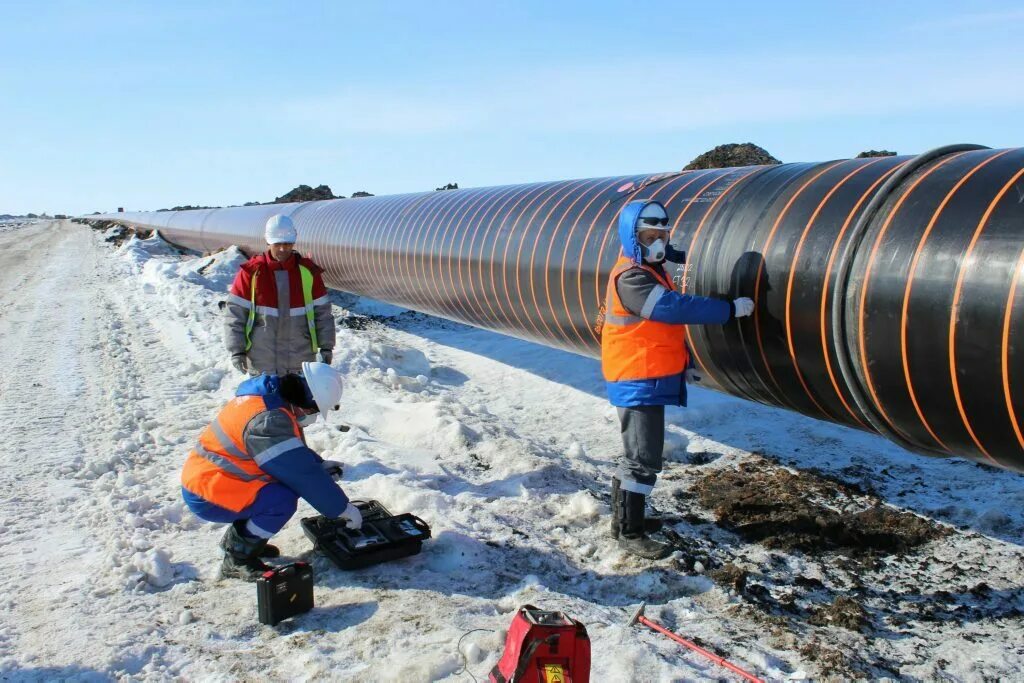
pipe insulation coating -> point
(888, 291)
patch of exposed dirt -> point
(770, 505)
(844, 611)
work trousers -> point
(643, 440)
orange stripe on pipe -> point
(540, 200)
(565, 252)
(533, 254)
(1006, 349)
(757, 286)
(540, 190)
(518, 190)
(569, 189)
(461, 297)
(861, 336)
(792, 279)
(954, 310)
(904, 315)
(828, 275)
(561, 272)
(471, 297)
(700, 226)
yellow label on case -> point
(554, 673)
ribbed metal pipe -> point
(888, 290)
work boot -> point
(651, 524)
(268, 550)
(242, 555)
(633, 536)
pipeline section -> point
(888, 290)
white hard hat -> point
(280, 230)
(325, 385)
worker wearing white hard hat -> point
(278, 312)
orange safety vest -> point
(634, 348)
(220, 469)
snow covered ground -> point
(113, 363)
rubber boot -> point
(651, 524)
(632, 536)
(241, 555)
(268, 550)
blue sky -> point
(147, 105)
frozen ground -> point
(113, 363)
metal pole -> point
(638, 617)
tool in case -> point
(382, 538)
(283, 592)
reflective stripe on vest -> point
(220, 469)
(307, 300)
(635, 348)
(306, 276)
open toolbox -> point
(382, 538)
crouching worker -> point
(251, 465)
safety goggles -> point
(653, 221)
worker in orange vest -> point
(252, 464)
(646, 362)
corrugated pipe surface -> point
(888, 290)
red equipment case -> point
(544, 647)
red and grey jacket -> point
(278, 313)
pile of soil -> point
(732, 154)
(768, 504)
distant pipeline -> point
(888, 290)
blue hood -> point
(263, 385)
(627, 228)
(271, 389)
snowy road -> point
(113, 362)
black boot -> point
(268, 550)
(242, 555)
(633, 536)
(651, 524)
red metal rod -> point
(638, 616)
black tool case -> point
(283, 592)
(382, 538)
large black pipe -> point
(887, 289)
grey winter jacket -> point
(280, 334)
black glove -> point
(241, 362)
(326, 355)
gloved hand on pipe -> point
(693, 376)
(743, 306)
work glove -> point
(744, 306)
(352, 516)
(326, 355)
(241, 362)
(333, 468)
(693, 376)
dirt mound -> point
(732, 154)
(868, 154)
(768, 504)
(843, 611)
